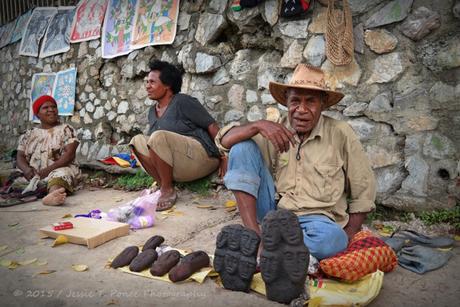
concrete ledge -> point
(111, 169)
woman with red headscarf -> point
(47, 152)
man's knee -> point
(246, 148)
(323, 238)
(324, 249)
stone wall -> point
(402, 90)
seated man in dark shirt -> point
(180, 145)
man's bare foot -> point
(55, 198)
(167, 200)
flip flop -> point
(416, 238)
(168, 203)
(10, 202)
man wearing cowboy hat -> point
(319, 167)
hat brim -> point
(278, 91)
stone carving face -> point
(249, 243)
(246, 267)
(219, 258)
(269, 266)
(231, 263)
(234, 239)
(289, 228)
(295, 262)
(271, 235)
(222, 238)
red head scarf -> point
(40, 101)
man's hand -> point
(351, 231)
(30, 173)
(277, 134)
(222, 166)
(354, 224)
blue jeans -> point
(247, 173)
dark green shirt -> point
(186, 116)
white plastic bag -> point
(139, 213)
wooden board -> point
(89, 232)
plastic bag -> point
(139, 213)
(329, 292)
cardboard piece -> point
(87, 231)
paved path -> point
(195, 229)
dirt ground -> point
(196, 229)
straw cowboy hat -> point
(307, 77)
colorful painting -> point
(117, 29)
(64, 91)
(20, 26)
(57, 37)
(5, 33)
(155, 23)
(88, 20)
(35, 30)
(42, 84)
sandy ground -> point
(196, 229)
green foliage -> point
(141, 180)
(383, 213)
(449, 216)
(201, 186)
(136, 182)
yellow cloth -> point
(327, 292)
(332, 167)
(121, 162)
(199, 276)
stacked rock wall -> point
(402, 88)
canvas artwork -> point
(155, 23)
(88, 20)
(64, 91)
(35, 30)
(42, 84)
(57, 37)
(117, 29)
(61, 85)
(5, 34)
(21, 23)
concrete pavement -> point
(196, 229)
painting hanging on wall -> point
(61, 85)
(42, 84)
(64, 91)
(5, 33)
(117, 29)
(35, 30)
(155, 23)
(57, 36)
(20, 27)
(88, 20)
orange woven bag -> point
(365, 254)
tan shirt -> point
(333, 169)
